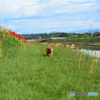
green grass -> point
(31, 75)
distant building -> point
(81, 33)
(75, 36)
(39, 37)
(57, 37)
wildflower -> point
(75, 47)
(72, 45)
(95, 53)
(95, 57)
(6, 33)
(1, 39)
(67, 45)
(42, 42)
(75, 50)
(99, 57)
(80, 52)
(24, 41)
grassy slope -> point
(31, 75)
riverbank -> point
(81, 42)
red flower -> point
(6, 33)
(80, 52)
(75, 47)
(75, 50)
(24, 41)
(1, 39)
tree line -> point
(59, 34)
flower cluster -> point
(12, 34)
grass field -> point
(31, 75)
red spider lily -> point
(20, 37)
(95, 57)
(32, 41)
(75, 50)
(80, 52)
(1, 39)
(13, 34)
(23, 38)
(6, 33)
(25, 42)
(75, 47)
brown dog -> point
(49, 51)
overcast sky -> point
(39, 16)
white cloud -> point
(77, 8)
(62, 15)
(61, 11)
(20, 7)
(89, 4)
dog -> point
(49, 51)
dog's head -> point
(49, 50)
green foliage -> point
(7, 44)
(32, 75)
(59, 34)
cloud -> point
(42, 15)
(20, 8)
(77, 8)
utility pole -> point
(91, 30)
(52, 31)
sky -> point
(45, 16)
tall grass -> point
(32, 75)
